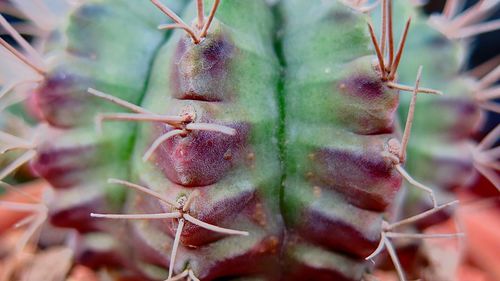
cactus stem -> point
(35, 61)
(395, 64)
(145, 190)
(173, 255)
(159, 141)
(406, 88)
(420, 216)
(21, 160)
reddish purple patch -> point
(65, 167)
(369, 107)
(338, 235)
(219, 213)
(201, 72)
(260, 260)
(363, 86)
(62, 101)
(202, 157)
(365, 178)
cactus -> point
(257, 141)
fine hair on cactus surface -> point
(267, 140)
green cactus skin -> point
(293, 119)
(237, 177)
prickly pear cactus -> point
(240, 139)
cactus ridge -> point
(228, 181)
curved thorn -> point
(173, 215)
(118, 101)
(406, 88)
(177, 239)
(421, 215)
(415, 183)
(379, 249)
(158, 142)
(395, 259)
(145, 190)
(423, 236)
(214, 228)
(176, 19)
(211, 127)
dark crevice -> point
(280, 97)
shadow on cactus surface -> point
(248, 140)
